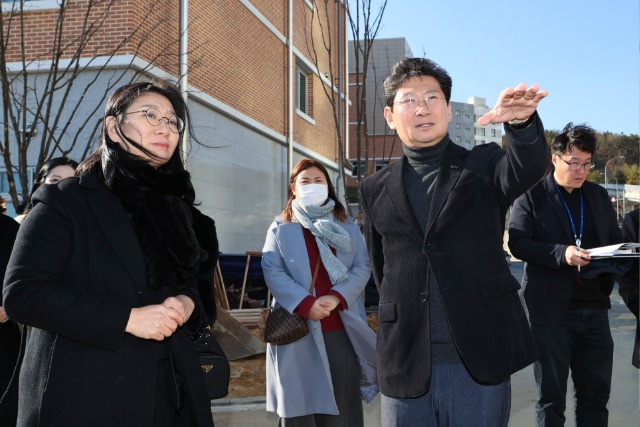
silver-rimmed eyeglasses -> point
(154, 118)
(576, 166)
(413, 103)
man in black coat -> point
(567, 296)
(452, 329)
(9, 331)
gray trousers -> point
(345, 376)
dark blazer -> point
(463, 247)
(75, 273)
(538, 223)
(630, 282)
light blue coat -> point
(298, 376)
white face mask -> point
(312, 194)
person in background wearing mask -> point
(317, 380)
(51, 172)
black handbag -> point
(279, 327)
(214, 364)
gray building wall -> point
(239, 171)
(485, 134)
(461, 127)
(384, 54)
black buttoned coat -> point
(9, 332)
(463, 245)
(75, 273)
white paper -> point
(620, 250)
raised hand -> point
(514, 105)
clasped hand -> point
(323, 306)
(514, 105)
(159, 321)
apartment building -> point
(256, 89)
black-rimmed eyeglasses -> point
(413, 103)
(576, 166)
(154, 118)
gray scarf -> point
(319, 220)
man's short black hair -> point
(415, 67)
(581, 137)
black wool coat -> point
(75, 273)
(9, 332)
(463, 246)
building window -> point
(467, 129)
(302, 91)
(457, 112)
(354, 167)
(493, 132)
(458, 139)
(380, 163)
(481, 131)
(466, 116)
(457, 125)
(482, 141)
(28, 5)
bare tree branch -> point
(65, 100)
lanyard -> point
(578, 238)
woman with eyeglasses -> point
(322, 378)
(104, 273)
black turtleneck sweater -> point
(419, 177)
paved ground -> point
(624, 404)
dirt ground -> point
(248, 374)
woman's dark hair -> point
(43, 173)
(338, 210)
(582, 137)
(110, 159)
(415, 67)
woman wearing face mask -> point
(322, 378)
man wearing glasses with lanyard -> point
(550, 227)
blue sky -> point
(586, 53)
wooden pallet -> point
(247, 317)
